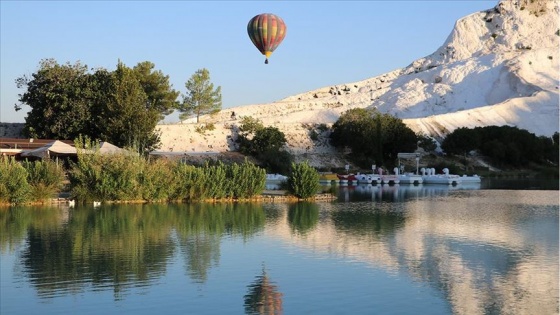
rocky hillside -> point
(497, 67)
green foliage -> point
(267, 139)
(427, 143)
(122, 107)
(264, 143)
(190, 183)
(45, 178)
(461, 141)
(249, 125)
(313, 135)
(104, 177)
(157, 180)
(160, 95)
(276, 161)
(59, 98)
(14, 187)
(504, 145)
(303, 217)
(303, 181)
(129, 122)
(201, 98)
(373, 138)
(246, 179)
(203, 128)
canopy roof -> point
(54, 148)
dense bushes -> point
(265, 144)
(45, 179)
(504, 145)
(303, 181)
(131, 177)
(29, 181)
(372, 137)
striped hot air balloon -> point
(266, 32)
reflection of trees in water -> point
(303, 216)
(119, 246)
(375, 222)
(204, 225)
(263, 296)
(101, 246)
(202, 251)
(15, 221)
(274, 212)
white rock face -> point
(497, 67)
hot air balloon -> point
(266, 32)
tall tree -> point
(160, 94)
(59, 98)
(122, 106)
(373, 137)
(201, 97)
(128, 122)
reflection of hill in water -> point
(486, 251)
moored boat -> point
(429, 176)
(328, 179)
(411, 178)
(470, 179)
(372, 179)
(349, 179)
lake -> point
(376, 250)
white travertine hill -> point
(497, 67)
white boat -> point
(470, 179)
(411, 178)
(390, 179)
(373, 179)
(443, 179)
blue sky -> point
(327, 42)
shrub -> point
(247, 180)
(190, 183)
(157, 180)
(45, 178)
(303, 181)
(101, 177)
(14, 187)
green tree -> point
(127, 121)
(59, 98)
(264, 143)
(122, 106)
(461, 141)
(202, 98)
(303, 181)
(426, 142)
(160, 94)
(372, 136)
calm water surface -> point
(376, 250)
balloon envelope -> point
(266, 31)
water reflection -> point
(263, 297)
(482, 251)
(487, 252)
(303, 216)
(396, 193)
(119, 247)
